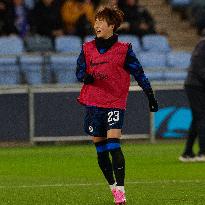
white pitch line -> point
(100, 184)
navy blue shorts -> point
(99, 120)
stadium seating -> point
(70, 44)
(177, 63)
(133, 40)
(154, 64)
(9, 71)
(38, 43)
(157, 75)
(180, 3)
(12, 45)
(64, 68)
(152, 59)
(173, 75)
(156, 57)
(179, 59)
(155, 43)
(31, 66)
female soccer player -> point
(104, 66)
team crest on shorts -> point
(90, 128)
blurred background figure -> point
(195, 89)
(112, 3)
(138, 20)
(6, 19)
(197, 15)
(95, 3)
(78, 17)
(19, 16)
(46, 18)
(30, 3)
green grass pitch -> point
(69, 175)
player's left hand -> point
(153, 104)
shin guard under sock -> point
(118, 160)
(104, 161)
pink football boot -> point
(119, 197)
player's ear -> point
(112, 26)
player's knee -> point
(113, 144)
(100, 145)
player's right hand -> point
(88, 79)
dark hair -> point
(113, 16)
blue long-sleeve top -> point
(131, 63)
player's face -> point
(102, 29)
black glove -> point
(153, 105)
(88, 79)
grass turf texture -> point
(59, 175)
